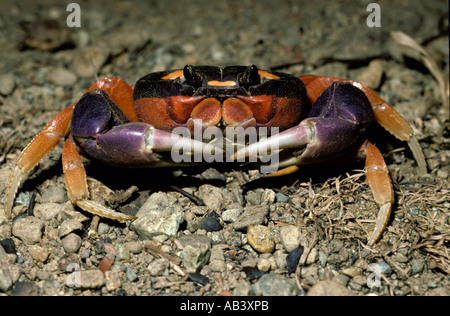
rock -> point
(417, 265)
(47, 211)
(280, 197)
(113, 280)
(195, 256)
(63, 77)
(440, 291)
(9, 274)
(8, 245)
(293, 258)
(380, 267)
(123, 254)
(252, 215)
(242, 289)
(268, 197)
(69, 226)
(2, 252)
(352, 271)
(158, 267)
(290, 237)
(29, 229)
(218, 266)
(260, 238)
(158, 216)
(231, 215)
(193, 239)
(211, 196)
(91, 279)
(264, 265)
(71, 243)
(39, 254)
(6, 281)
(88, 61)
(252, 272)
(371, 76)
(329, 288)
(106, 262)
(210, 223)
(274, 285)
(131, 275)
(134, 247)
(7, 84)
(198, 278)
(25, 288)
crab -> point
(303, 120)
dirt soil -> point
(316, 221)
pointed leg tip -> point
(383, 218)
(103, 211)
(11, 190)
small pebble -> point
(417, 265)
(195, 256)
(264, 265)
(39, 254)
(290, 237)
(131, 275)
(371, 76)
(71, 243)
(380, 267)
(274, 285)
(91, 279)
(106, 263)
(231, 215)
(53, 194)
(252, 215)
(123, 254)
(323, 257)
(352, 271)
(158, 216)
(25, 288)
(329, 288)
(158, 267)
(3, 253)
(211, 196)
(210, 223)
(69, 226)
(198, 278)
(88, 61)
(7, 84)
(134, 247)
(63, 77)
(9, 245)
(260, 238)
(29, 229)
(47, 211)
(293, 258)
(102, 229)
(252, 272)
(280, 197)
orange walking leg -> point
(36, 150)
(381, 186)
(77, 188)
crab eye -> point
(250, 77)
(191, 76)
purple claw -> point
(337, 123)
(106, 134)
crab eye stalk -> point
(250, 77)
(191, 76)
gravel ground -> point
(307, 231)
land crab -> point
(305, 120)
